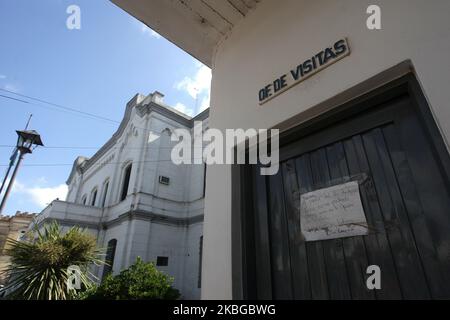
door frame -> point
(394, 82)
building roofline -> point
(18, 214)
(145, 107)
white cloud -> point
(182, 108)
(11, 87)
(205, 103)
(150, 32)
(17, 186)
(41, 196)
(199, 83)
(8, 85)
(41, 180)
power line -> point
(86, 148)
(55, 105)
(60, 107)
(95, 164)
(13, 98)
(51, 147)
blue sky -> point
(96, 69)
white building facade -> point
(136, 201)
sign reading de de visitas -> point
(304, 70)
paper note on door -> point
(333, 212)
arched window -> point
(125, 182)
(105, 193)
(109, 259)
(84, 199)
(93, 196)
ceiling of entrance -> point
(196, 26)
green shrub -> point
(141, 281)
(39, 264)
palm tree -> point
(39, 264)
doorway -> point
(389, 138)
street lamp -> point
(27, 141)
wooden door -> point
(406, 201)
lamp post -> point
(27, 141)
(12, 160)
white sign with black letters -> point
(333, 212)
(304, 70)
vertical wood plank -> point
(298, 255)
(425, 220)
(338, 283)
(279, 242)
(354, 249)
(262, 236)
(314, 250)
(407, 261)
(376, 243)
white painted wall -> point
(275, 38)
(148, 240)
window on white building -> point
(162, 261)
(109, 259)
(105, 193)
(126, 182)
(83, 199)
(93, 196)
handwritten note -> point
(333, 212)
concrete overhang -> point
(196, 26)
